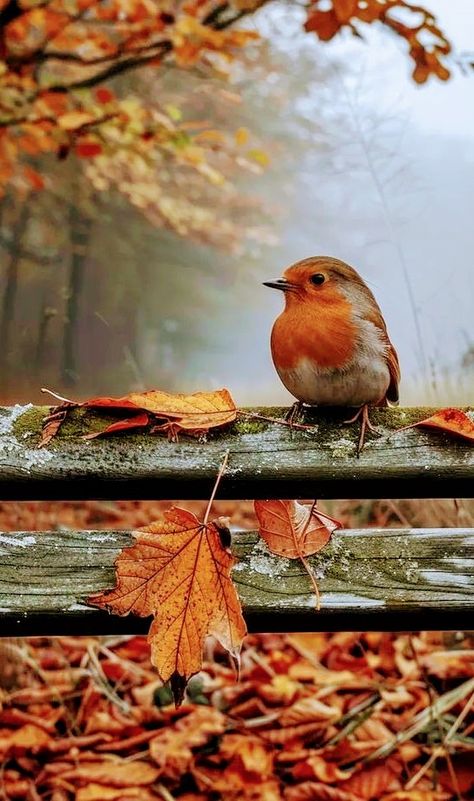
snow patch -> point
(346, 599)
(22, 543)
(444, 577)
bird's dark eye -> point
(317, 279)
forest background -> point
(134, 238)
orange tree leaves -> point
(178, 571)
(169, 413)
(427, 44)
(55, 55)
(295, 531)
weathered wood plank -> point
(375, 579)
(265, 460)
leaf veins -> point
(178, 571)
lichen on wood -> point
(376, 578)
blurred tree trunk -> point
(11, 286)
(80, 231)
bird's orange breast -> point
(324, 333)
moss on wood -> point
(265, 459)
(329, 422)
(28, 425)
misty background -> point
(364, 165)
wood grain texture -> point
(265, 460)
(371, 579)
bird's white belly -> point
(366, 380)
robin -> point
(330, 345)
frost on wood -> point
(260, 561)
(23, 542)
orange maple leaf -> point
(451, 421)
(292, 529)
(295, 531)
(179, 571)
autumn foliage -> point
(56, 57)
(313, 717)
(179, 571)
(428, 46)
(295, 531)
(90, 721)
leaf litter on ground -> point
(270, 737)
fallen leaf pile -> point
(314, 717)
(162, 412)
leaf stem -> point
(221, 472)
(313, 581)
(58, 397)
(164, 792)
(279, 420)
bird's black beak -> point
(282, 284)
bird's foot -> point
(365, 425)
(293, 413)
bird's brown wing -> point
(375, 316)
(394, 370)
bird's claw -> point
(365, 425)
(293, 413)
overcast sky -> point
(417, 252)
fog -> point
(365, 166)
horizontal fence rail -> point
(372, 579)
(265, 460)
